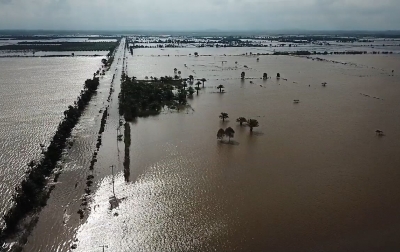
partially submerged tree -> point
(220, 87)
(278, 75)
(230, 133)
(175, 70)
(223, 116)
(242, 75)
(197, 89)
(196, 54)
(220, 134)
(241, 120)
(191, 78)
(191, 91)
(203, 80)
(252, 123)
(265, 76)
(198, 84)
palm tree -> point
(191, 78)
(223, 116)
(220, 134)
(265, 76)
(253, 123)
(278, 75)
(230, 133)
(220, 87)
(203, 80)
(197, 89)
(241, 120)
(243, 75)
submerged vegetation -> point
(140, 98)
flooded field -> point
(34, 93)
(313, 177)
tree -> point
(179, 72)
(220, 87)
(175, 70)
(203, 80)
(265, 76)
(196, 54)
(191, 91)
(223, 116)
(197, 89)
(252, 124)
(278, 75)
(230, 133)
(243, 75)
(191, 78)
(198, 83)
(104, 61)
(241, 120)
(220, 134)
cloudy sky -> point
(200, 14)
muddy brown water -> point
(313, 177)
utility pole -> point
(104, 246)
(112, 171)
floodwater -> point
(33, 96)
(313, 177)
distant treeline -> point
(61, 46)
(27, 37)
(299, 53)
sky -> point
(182, 15)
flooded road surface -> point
(313, 177)
(34, 92)
(60, 216)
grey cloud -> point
(204, 14)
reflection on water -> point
(313, 176)
(33, 95)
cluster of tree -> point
(61, 46)
(302, 53)
(229, 132)
(31, 194)
(143, 98)
(252, 123)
